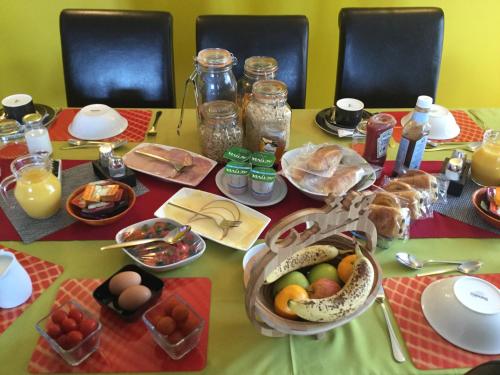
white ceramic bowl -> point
(465, 311)
(97, 121)
(443, 124)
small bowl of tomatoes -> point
(175, 326)
(71, 331)
(160, 256)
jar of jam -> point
(378, 134)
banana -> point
(306, 257)
(344, 302)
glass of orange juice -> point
(37, 190)
(485, 168)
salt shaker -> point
(36, 135)
(105, 151)
(116, 166)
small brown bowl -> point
(108, 220)
(477, 197)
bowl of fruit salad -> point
(71, 331)
(160, 256)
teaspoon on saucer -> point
(412, 262)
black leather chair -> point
(487, 368)
(119, 58)
(283, 37)
(389, 56)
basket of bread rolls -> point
(307, 244)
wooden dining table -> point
(234, 345)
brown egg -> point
(134, 297)
(122, 281)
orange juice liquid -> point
(38, 192)
(485, 168)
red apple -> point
(323, 288)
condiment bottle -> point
(36, 135)
(415, 131)
(378, 134)
(267, 118)
(485, 167)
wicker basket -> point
(325, 226)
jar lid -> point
(261, 65)
(219, 109)
(214, 58)
(270, 89)
(382, 119)
(32, 118)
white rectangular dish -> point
(241, 237)
(190, 176)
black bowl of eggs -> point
(129, 291)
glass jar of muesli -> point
(219, 128)
(267, 118)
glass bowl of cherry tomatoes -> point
(160, 256)
(71, 331)
(175, 325)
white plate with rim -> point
(350, 157)
(205, 166)
(279, 192)
(465, 311)
(240, 238)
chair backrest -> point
(486, 368)
(283, 37)
(119, 58)
(389, 56)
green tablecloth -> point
(235, 347)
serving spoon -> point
(171, 238)
(410, 261)
(465, 268)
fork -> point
(177, 166)
(396, 348)
(224, 224)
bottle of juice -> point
(415, 131)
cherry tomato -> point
(75, 314)
(87, 326)
(63, 342)
(58, 316)
(175, 337)
(166, 325)
(68, 325)
(180, 313)
(53, 330)
(170, 304)
(191, 323)
(154, 318)
(74, 338)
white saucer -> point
(279, 192)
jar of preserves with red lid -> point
(378, 134)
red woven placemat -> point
(138, 123)
(127, 346)
(469, 130)
(428, 350)
(42, 274)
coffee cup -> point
(348, 112)
(17, 105)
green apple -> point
(323, 271)
(292, 278)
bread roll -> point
(343, 180)
(396, 185)
(325, 158)
(425, 182)
(383, 198)
(389, 221)
(413, 200)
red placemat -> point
(428, 350)
(127, 346)
(42, 274)
(138, 123)
(469, 130)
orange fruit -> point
(345, 267)
(286, 294)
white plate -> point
(252, 256)
(279, 192)
(182, 178)
(240, 238)
(97, 121)
(465, 311)
(351, 157)
(167, 267)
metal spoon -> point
(171, 238)
(468, 146)
(152, 130)
(409, 260)
(466, 268)
(77, 143)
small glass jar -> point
(485, 167)
(36, 135)
(219, 128)
(378, 134)
(256, 69)
(116, 166)
(105, 151)
(267, 118)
